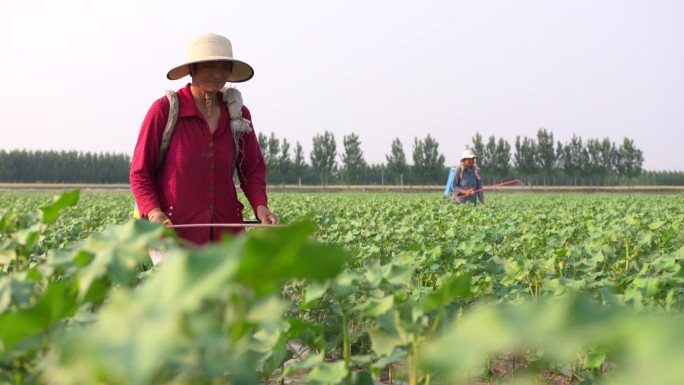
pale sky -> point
(82, 74)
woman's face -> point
(211, 76)
(468, 162)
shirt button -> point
(211, 189)
(211, 206)
(211, 144)
(211, 167)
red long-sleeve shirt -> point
(194, 184)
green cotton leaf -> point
(274, 255)
(679, 253)
(398, 355)
(82, 259)
(656, 225)
(344, 284)
(399, 275)
(5, 293)
(644, 237)
(263, 341)
(28, 236)
(51, 211)
(389, 334)
(373, 276)
(375, 307)
(594, 359)
(116, 253)
(512, 269)
(96, 270)
(309, 333)
(24, 291)
(96, 293)
(363, 377)
(187, 279)
(650, 286)
(7, 256)
(312, 360)
(313, 292)
(599, 257)
(126, 344)
(268, 310)
(327, 373)
(56, 303)
(279, 354)
(391, 323)
(456, 287)
(361, 359)
(383, 343)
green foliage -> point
(428, 163)
(629, 160)
(323, 156)
(299, 165)
(396, 162)
(29, 166)
(559, 333)
(590, 286)
(353, 163)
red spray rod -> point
(248, 223)
(496, 185)
(459, 197)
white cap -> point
(467, 154)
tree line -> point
(538, 160)
(541, 161)
(287, 165)
(26, 166)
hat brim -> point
(241, 70)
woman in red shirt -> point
(194, 182)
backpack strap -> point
(233, 100)
(238, 124)
(170, 125)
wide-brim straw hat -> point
(212, 47)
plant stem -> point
(488, 365)
(346, 348)
(626, 255)
(17, 374)
(412, 357)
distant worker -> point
(467, 184)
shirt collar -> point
(186, 103)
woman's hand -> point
(157, 216)
(265, 216)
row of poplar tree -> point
(537, 161)
(26, 166)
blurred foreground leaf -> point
(204, 314)
(51, 211)
(643, 348)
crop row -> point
(581, 286)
